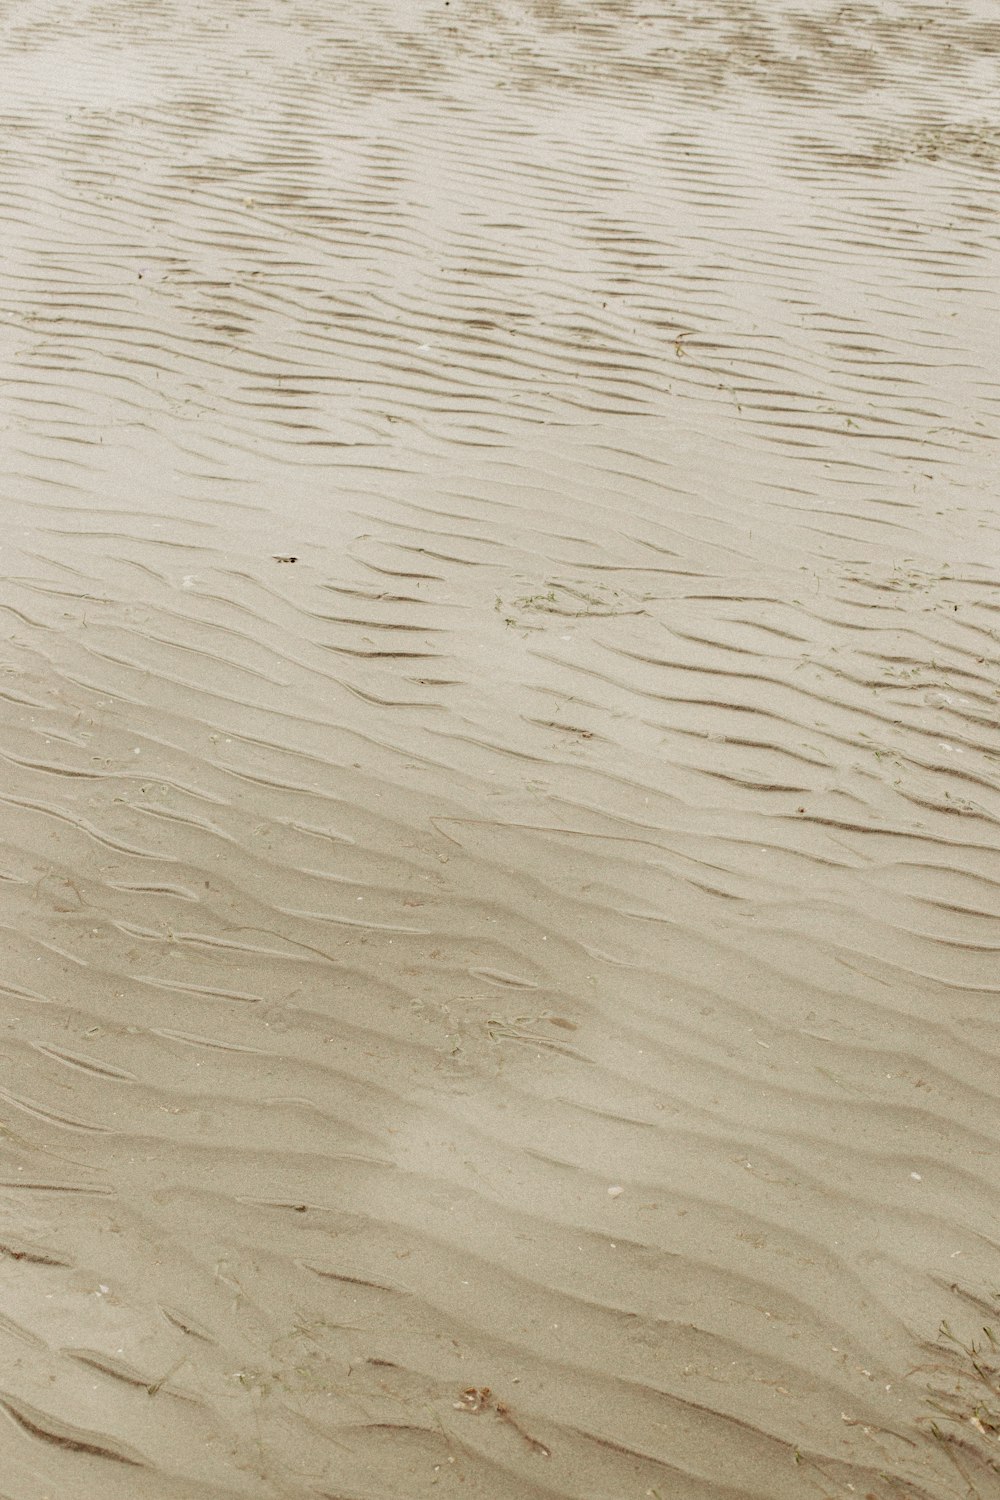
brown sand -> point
(504, 1004)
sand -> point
(499, 750)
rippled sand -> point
(499, 731)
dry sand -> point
(499, 742)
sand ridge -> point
(498, 751)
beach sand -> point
(499, 750)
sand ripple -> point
(498, 751)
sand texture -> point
(499, 734)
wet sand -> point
(499, 751)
